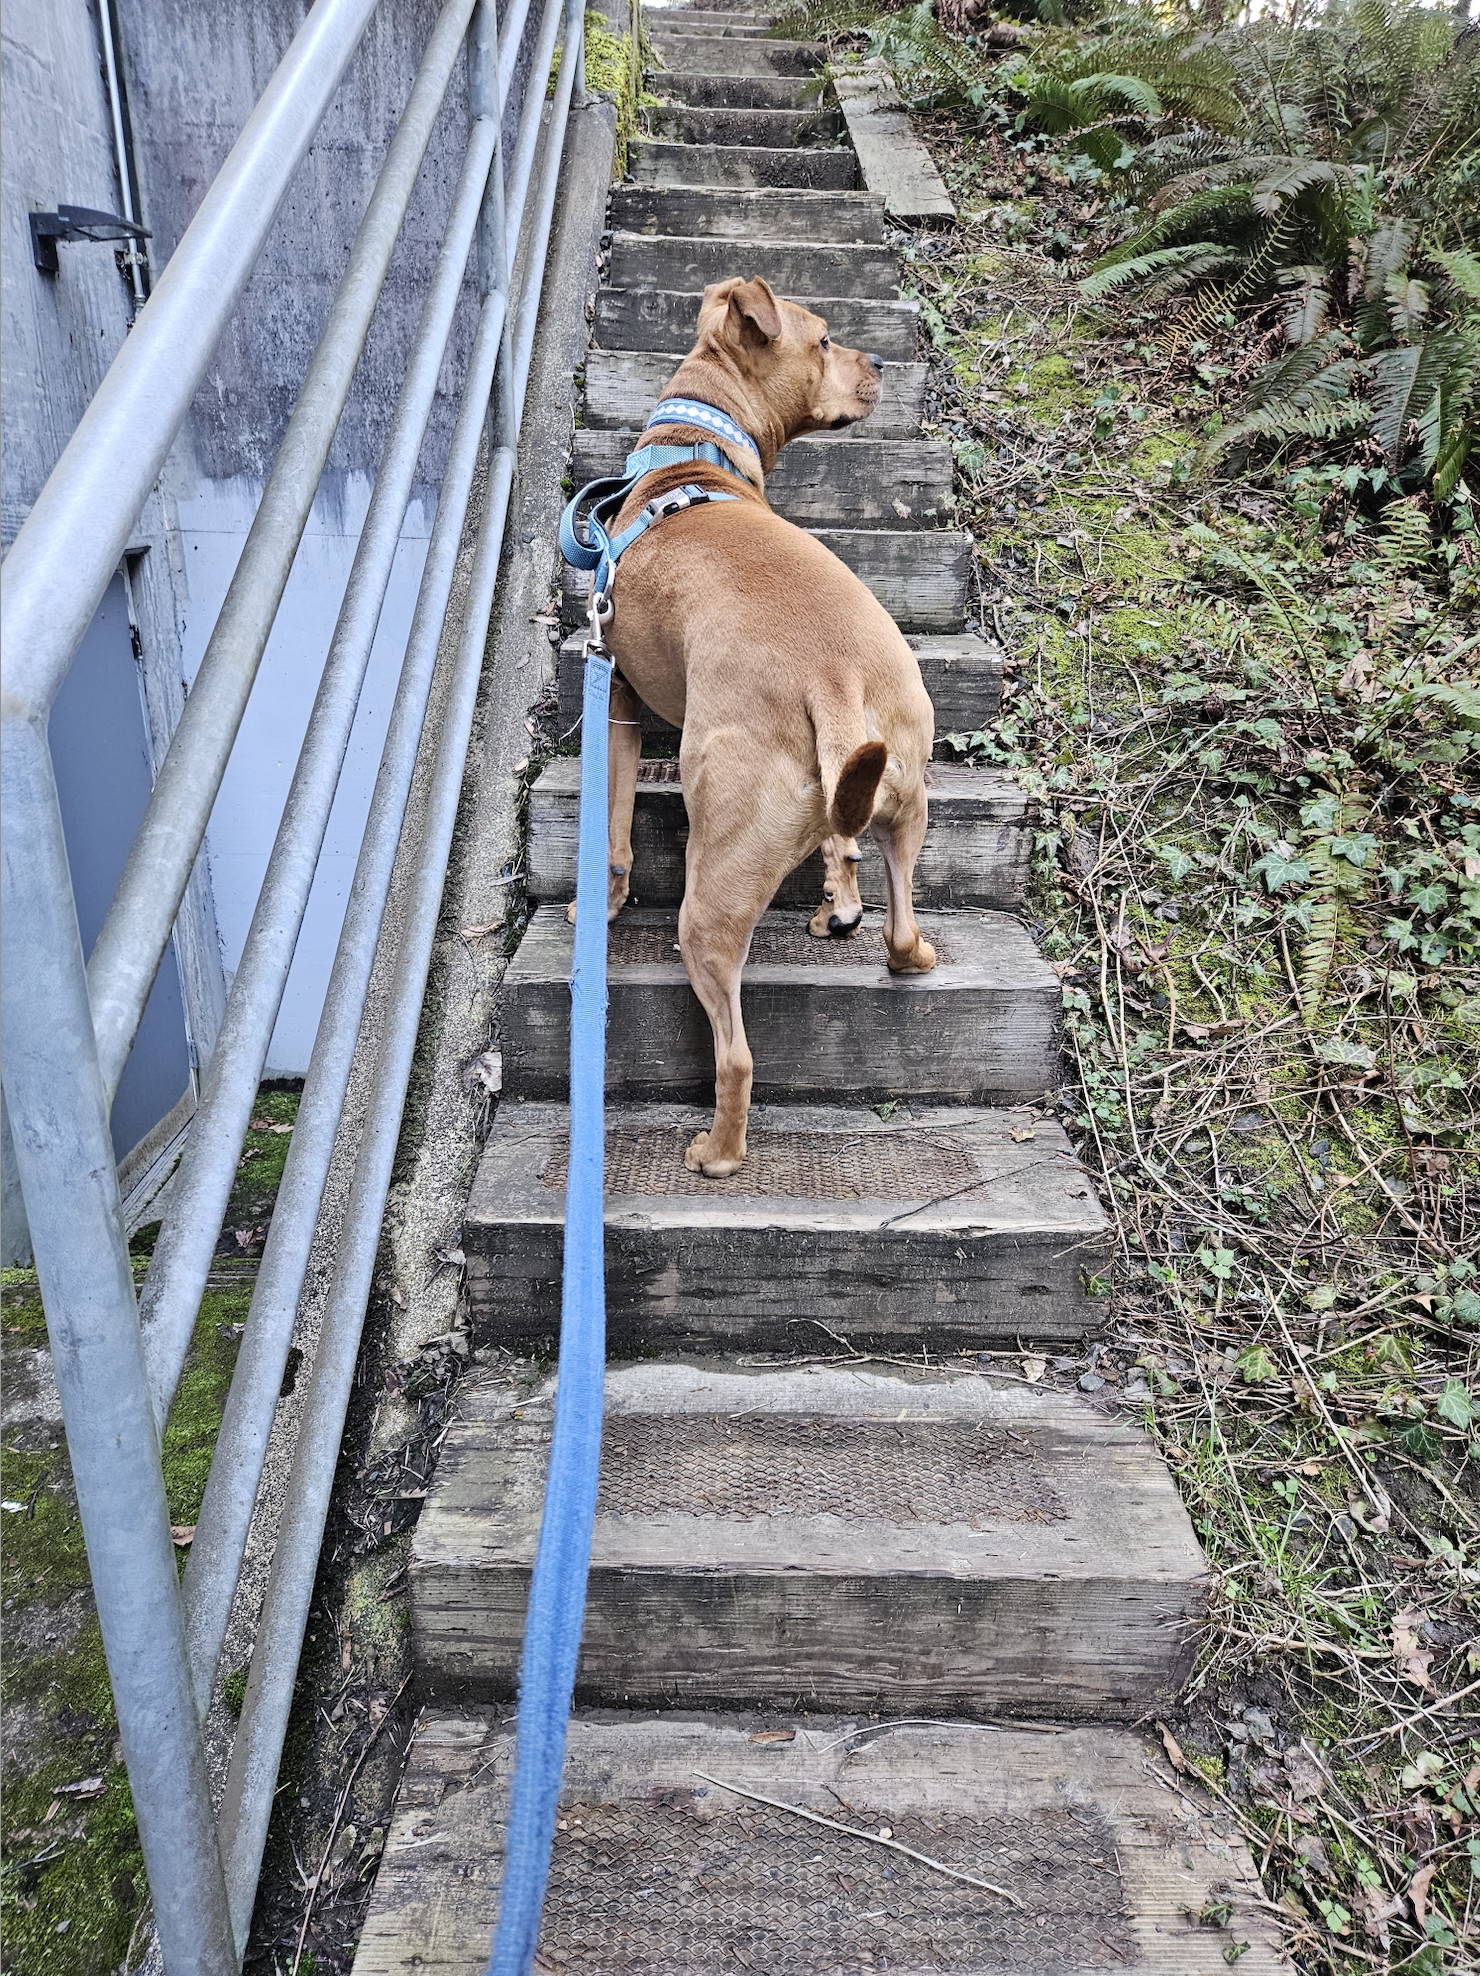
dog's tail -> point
(852, 767)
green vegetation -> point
(1241, 682)
(73, 1883)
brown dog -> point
(803, 714)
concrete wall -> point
(193, 74)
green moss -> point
(265, 1153)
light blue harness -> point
(602, 498)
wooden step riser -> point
(763, 1639)
(793, 269)
(742, 92)
(652, 163)
(963, 677)
(771, 130)
(732, 55)
(919, 576)
(622, 386)
(859, 486)
(680, 20)
(978, 1030)
(728, 214)
(660, 319)
(1063, 1579)
(967, 860)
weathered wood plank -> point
(732, 55)
(656, 319)
(981, 1028)
(693, 20)
(890, 155)
(1113, 1868)
(742, 92)
(640, 260)
(869, 481)
(771, 129)
(622, 386)
(653, 163)
(918, 575)
(962, 675)
(975, 854)
(861, 1537)
(910, 1260)
(696, 212)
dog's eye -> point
(825, 344)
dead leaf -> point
(182, 1533)
(1418, 1893)
(901, 510)
(86, 1787)
(1172, 1747)
(1021, 1134)
(1306, 1773)
(1034, 1368)
(774, 1736)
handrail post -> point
(59, 1123)
(575, 50)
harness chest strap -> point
(599, 552)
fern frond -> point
(1203, 256)
(1308, 303)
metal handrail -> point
(68, 1028)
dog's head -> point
(842, 903)
(799, 379)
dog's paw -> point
(919, 960)
(717, 1169)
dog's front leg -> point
(899, 841)
(624, 752)
(714, 947)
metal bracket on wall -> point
(76, 223)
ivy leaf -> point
(1256, 1365)
(1280, 867)
(1421, 1442)
(1176, 861)
(1356, 850)
(1455, 1405)
(1338, 1049)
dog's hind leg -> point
(624, 751)
(899, 839)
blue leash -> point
(557, 1592)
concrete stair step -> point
(851, 1537)
(920, 576)
(730, 214)
(934, 1229)
(731, 55)
(656, 1871)
(641, 260)
(655, 163)
(772, 130)
(889, 483)
(622, 386)
(663, 319)
(825, 1018)
(976, 853)
(962, 675)
(742, 92)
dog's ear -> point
(754, 318)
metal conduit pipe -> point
(197, 1201)
(133, 937)
(62, 560)
(59, 1123)
(256, 1753)
(241, 1447)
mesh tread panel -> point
(793, 1166)
(746, 1466)
(780, 942)
(656, 1890)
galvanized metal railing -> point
(68, 1026)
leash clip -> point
(599, 613)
